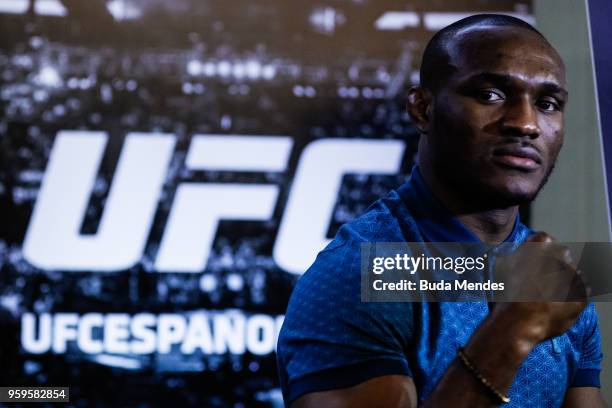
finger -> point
(564, 254)
(540, 236)
(579, 290)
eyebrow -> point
(547, 87)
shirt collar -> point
(436, 223)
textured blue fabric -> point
(330, 339)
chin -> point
(517, 187)
(512, 197)
(517, 193)
(506, 190)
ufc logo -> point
(53, 241)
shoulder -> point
(331, 287)
(386, 220)
(327, 325)
(586, 344)
(586, 338)
(587, 322)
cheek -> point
(469, 118)
(552, 135)
(457, 123)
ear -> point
(419, 107)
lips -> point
(519, 157)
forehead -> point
(505, 50)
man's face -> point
(496, 124)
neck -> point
(491, 225)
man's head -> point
(490, 109)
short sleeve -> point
(589, 363)
(330, 339)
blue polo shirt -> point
(330, 339)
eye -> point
(548, 106)
(489, 95)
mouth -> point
(518, 157)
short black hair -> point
(435, 62)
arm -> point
(497, 356)
(584, 397)
(584, 390)
(498, 348)
(385, 391)
(399, 391)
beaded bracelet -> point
(471, 368)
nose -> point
(521, 119)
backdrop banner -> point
(169, 169)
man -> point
(490, 112)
